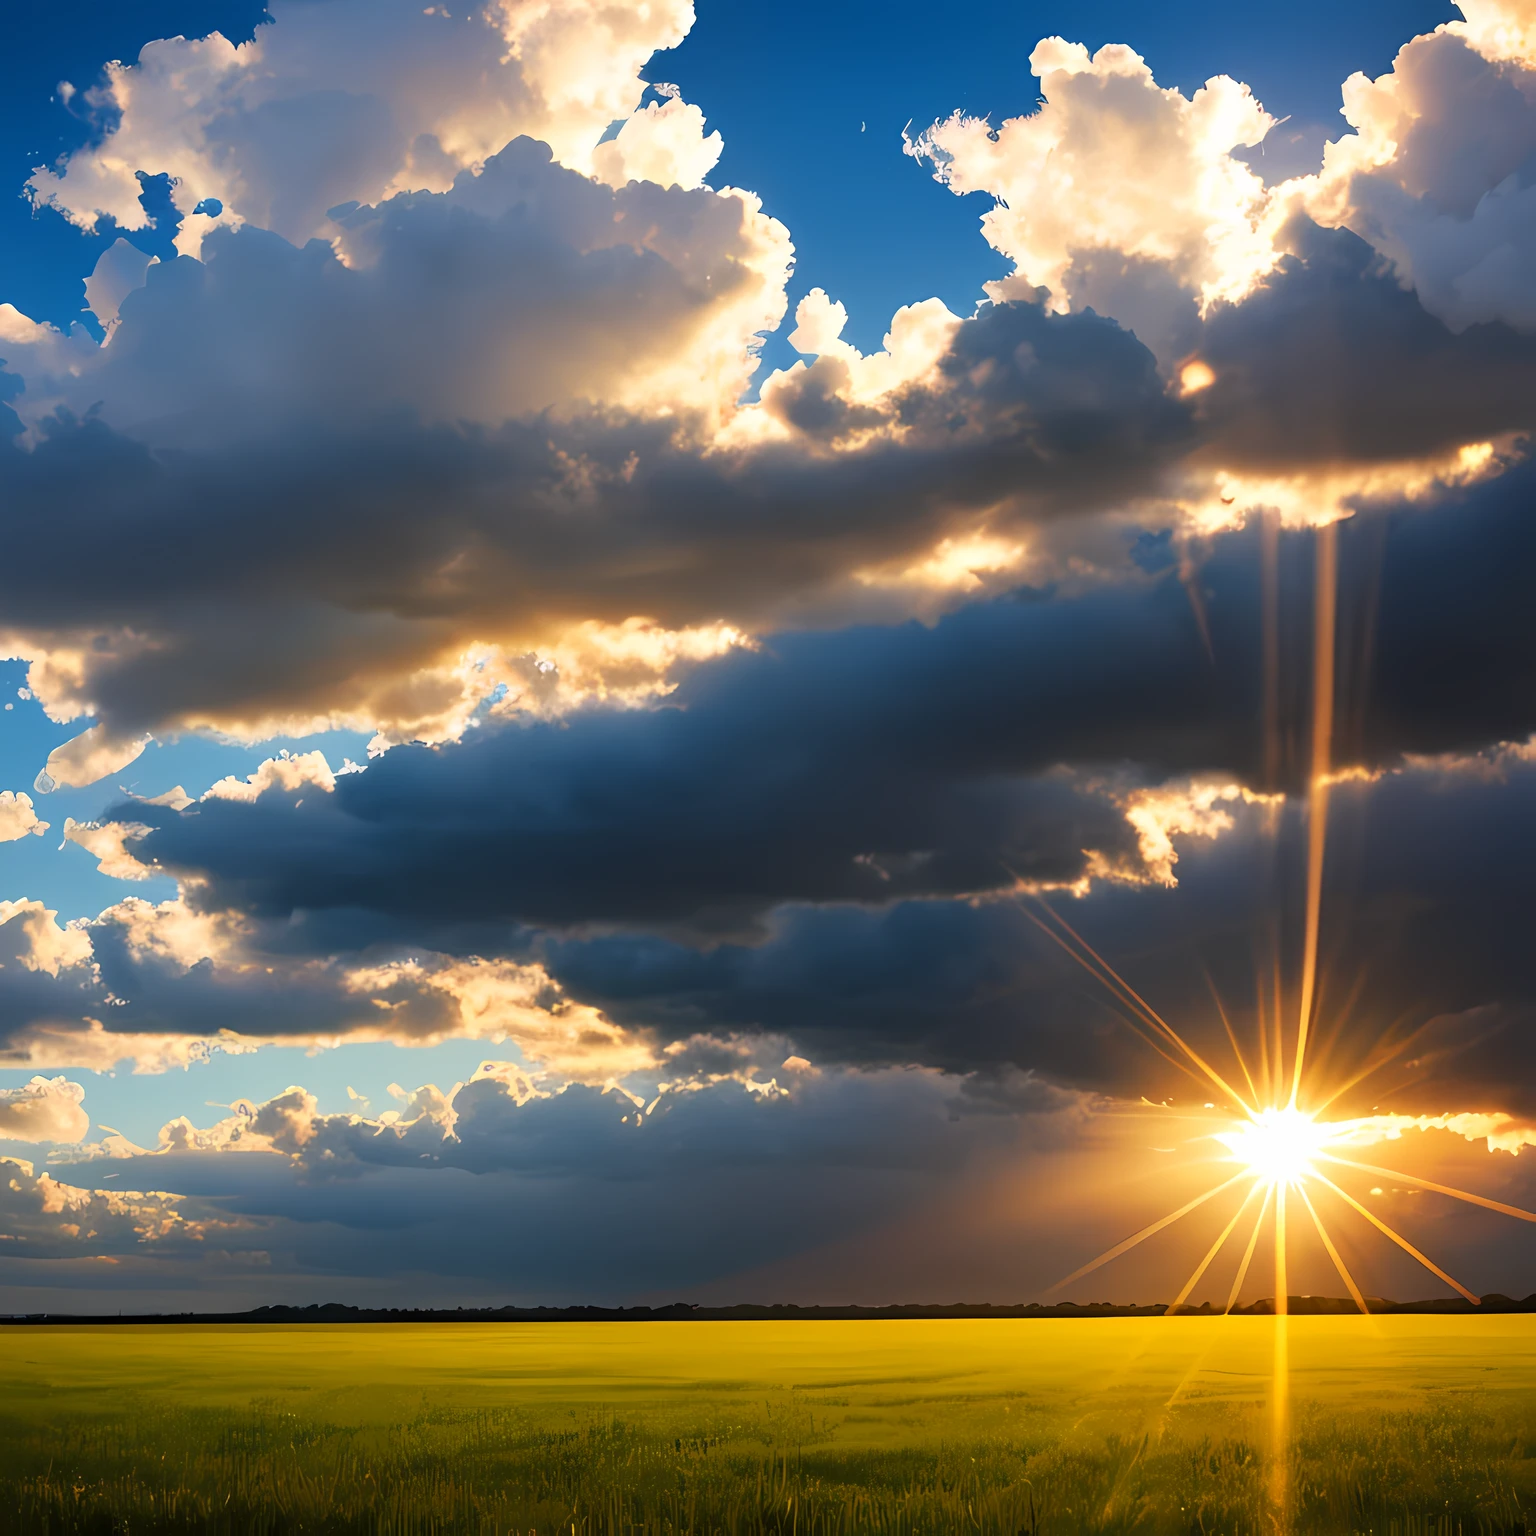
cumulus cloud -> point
(1133, 199)
(1117, 193)
(522, 286)
(17, 817)
(46, 1109)
(1424, 974)
(491, 1189)
(1434, 175)
(36, 942)
(118, 271)
(878, 1186)
(401, 96)
(328, 597)
(164, 985)
(875, 764)
(481, 445)
(515, 480)
(500, 1119)
(129, 1233)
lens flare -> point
(1278, 1146)
(1273, 1132)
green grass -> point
(1401, 1425)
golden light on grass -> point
(1281, 1148)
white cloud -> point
(1126, 197)
(30, 936)
(1194, 808)
(1435, 174)
(46, 1109)
(42, 1218)
(403, 96)
(90, 756)
(1112, 165)
(1500, 29)
(108, 844)
(503, 1001)
(284, 773)
(118, 271)
(17, 818)
(664, 142)
(522, 287)
(1498, 1130)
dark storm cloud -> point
(1332, 361)
(144, 993)
(875, 764)
(310, 561)
(858, 766)
(1423, 943)
(570, 1197)
(304, 566)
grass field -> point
(1407, 1424)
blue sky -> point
(720, 702)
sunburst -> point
(1278, 1145)
(1278, 1139)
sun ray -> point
(1325, 1045)
(1261, 1022)
(1253, 1242)
(1146, 1232)
(1112, 977)
(1134, 1023)
(1397, 1237)
(1214, 1249)
(1325, 606)
(1277, 1012)
(1439, 1189)
(1387, 1051)
(1333, 1252)
(1226, 1024)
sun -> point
(1278, 1146)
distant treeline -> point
(682, 1311)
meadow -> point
(1404, 1424)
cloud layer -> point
(725, 727)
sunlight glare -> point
(1278, 1145)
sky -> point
(575, 575)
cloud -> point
(876, 1186)
(825, 819)
(17, 817)
(328, 595)
(1422, 968)
(89, 757)
(522, 286)
(403, 97)
(36, 942)
(875, 764)
(162, 986)
(46, 1109)
(132, 1233)
(1135, 200)
(486, 430)
(119, 270)
(503, 1191)
(1434, 175)
(1112, 163)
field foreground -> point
(1400, 1424)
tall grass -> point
(141, 1469)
